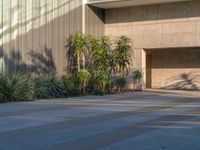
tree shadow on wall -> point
(40, 61)
(185, 81)
(12, 61)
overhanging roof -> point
(106, 4)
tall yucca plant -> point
(78, 44)
(124, 53)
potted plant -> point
(136, 76)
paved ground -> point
(144, 121)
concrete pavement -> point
(144, 121)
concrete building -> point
(165, 33)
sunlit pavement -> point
(143, 121)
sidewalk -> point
(189, 93)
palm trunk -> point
(84, 89)
(122, 71)
(118, 90)
(134, 85)
(78, 61)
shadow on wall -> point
(185, 81)
(46, 27)
(41, 62)
(156, 12)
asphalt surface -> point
(143, 121)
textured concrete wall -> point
(33, 33)
(156, 26)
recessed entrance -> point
(173, 68)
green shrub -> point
(48, 87)
(21, 87)
(15, 87)
(120, 83)
(40, 85)
(71, 85)
(56, 88)
(100, 82)
(136, 76)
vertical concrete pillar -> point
(139, 63)
(143, 64)
(83, 15)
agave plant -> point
(40, 86)
(136, 76)
(83, 77)
(124, 53)
(56, 88)
(15, 87)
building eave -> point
(107, 4)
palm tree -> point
(123, 53)
(102, 56)
(83, 78)
(95, 51)
(78, 44)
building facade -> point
(165, 34)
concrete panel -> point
(138, 36)
(157, 26)
(194, 13)
(123, 16)
(180, 12)
(153, 36)
(111, 16)
(165, 13)
(198, 33)
(137, 15)
(150, 14)
(137, 58)
(119, 30)
(179, 34)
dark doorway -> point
(148, 68)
